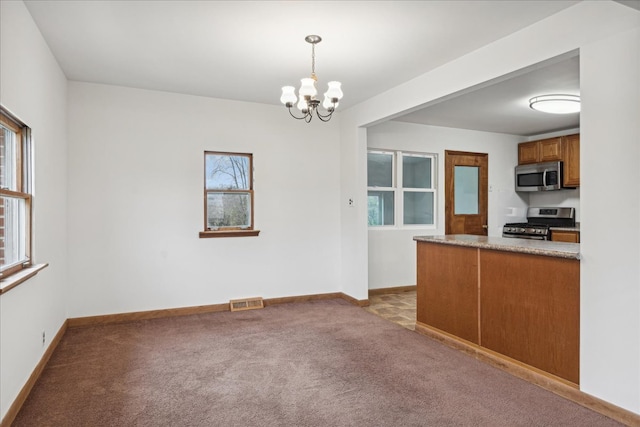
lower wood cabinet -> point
(530, 310)
(448, 282)
(525, 307)
(565, 236)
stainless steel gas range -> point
(539, 220)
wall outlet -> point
(351, 203)
(44, 337)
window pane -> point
(418, 208)
(226, 172)
(465, 190)
(8, 147)
(14, 243)
(416, 172)
(228, 210)
(380, 206)
(379, 170)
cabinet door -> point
(550, 149)
(571, 159)
(447, 291)
(528, 152)
(530, 310)
(565, 236)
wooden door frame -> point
(449, 188)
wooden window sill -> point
(22, 276)
(229, 233)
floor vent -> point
(246, 304)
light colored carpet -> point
(321, 363)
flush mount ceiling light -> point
(308, 104)
(556, 104)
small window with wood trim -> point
(228, 195)
(15, 191)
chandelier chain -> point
(313, 60)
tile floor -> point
(397, 307)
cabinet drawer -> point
(565, 236)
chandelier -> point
(308, 104)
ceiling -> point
(503, 106)
(248, 50)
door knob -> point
(485, 226)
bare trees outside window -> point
(228, 192)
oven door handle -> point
(523, 236)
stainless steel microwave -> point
(539, 177)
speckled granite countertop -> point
(533, 247)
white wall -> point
(33, 87)
(610, 227)
(136, 202)
(353, 222)
(392, 256)
(610, 268)
(569, 198)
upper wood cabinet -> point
(571, 158)
(565, 148)
(546, 150)
(528, 152)
(551, 149)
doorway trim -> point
(469, 223)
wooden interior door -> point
(466, 202)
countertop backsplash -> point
(569, 198)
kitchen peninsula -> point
(514, 297)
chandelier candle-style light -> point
(308, 103)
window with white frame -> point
(401, 188)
